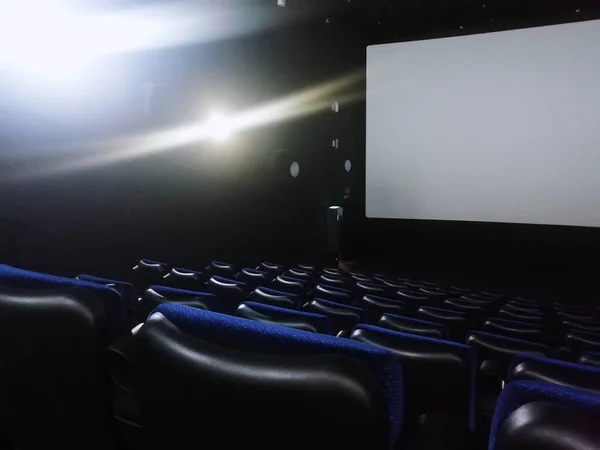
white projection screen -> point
(497, 127)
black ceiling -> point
(408, 19)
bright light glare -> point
(218, 127)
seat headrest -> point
(590, 359)
(157, 295)
(412, 295)
(519, 393)
(343, 317)
(424, 359)
(113, 303)
(550, 370)
(274, 297)
(506, 345)
(250, 336)
(299, 320)
(544, 425)
(413, 326)
(374, 306)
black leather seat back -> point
(413, 326)
(157, 295)
(437, 374)
(374, 307)
(231, 293)
(291, 285)
(253, 278)
(454, 320)
(184, 279)
(273, 401)
(332, 293)
(580, 342)
(221, 269)
(496, 352)
(590, 359)
(549, 370)
(53, 385)
(343, 318)
(314, 323)
(148, 272)
(275, 298)
(331, 280)
(517, 330)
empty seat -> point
(520, 317)
(275, 298)
(343, 317)
(361, 289)
(315, 323)
(585, 327)
(157, 295)
(114, 305)
(580, 341)
(53, 382)
(125, 289)
(494, 355)
(268, 382)
(184, 279)
(221, 269)
(590, 359)
(550, 370)
(300, 274)
(410, 295)
(271, 268)
(455, 321)
(230, 292)
(253, 278)
(332, 293)
(374, 307)
(122, 287)
(291, 285)
(537, 415)
(413, 326)
(438, 376)
(332, 280)
(307, 267)
(333, 271)
(517, 330)
(148, 272)
(471, 309)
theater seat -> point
(299, 320)
(374, 307)
(542, 416)
(221, 269)
(514, 329)
(115, 306)
(590, 359)
(361, 289)
(271, 268)
(580, 341)
(300, 274)
(230, 292)
(253, 278)
(228, 383)
(455, 321)
(495, 352)
(275, 298)
(184, 279)
(291, 285)
(53, 382)
(550, 370)
(122, 287)
(343, 317)
(332, 293)
(331, 280)
(438, 376)
(413, 326)
(157, 295)
(125, 289)
(147, 272)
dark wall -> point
(81, 190)
(544, 260)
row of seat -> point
(380, 387)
